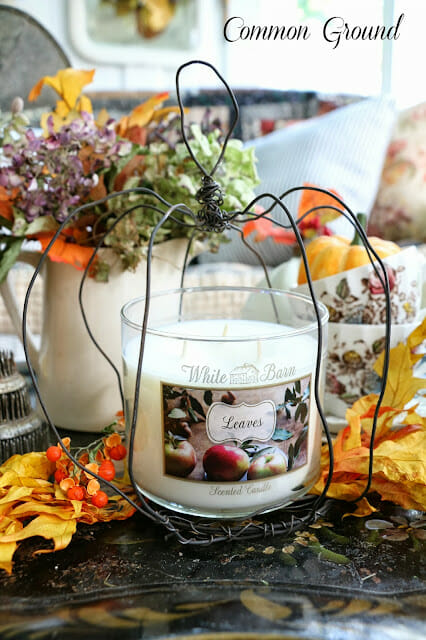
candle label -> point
(241, 422)
(238, 434)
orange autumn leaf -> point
(142, 115)
(64, 251)
(399, 461)
(311, 199)
(6, 209)
(68, 83)
(264, 228)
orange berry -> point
(100, 499)
(53, 453)
(107, 470)
(60, 475)
(118, 452)
(75, 493)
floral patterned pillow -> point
(399, 212)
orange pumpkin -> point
(328, 255)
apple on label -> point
(271, 463)
(225, 462)
(180, 457)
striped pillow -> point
(343, 150)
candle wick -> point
(225, 330)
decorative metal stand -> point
(211, 217)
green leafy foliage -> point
(9, 253)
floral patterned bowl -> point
(357, 297)
(352, 352)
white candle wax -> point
(255, 361)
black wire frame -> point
(210, 217)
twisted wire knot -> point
(210, 215)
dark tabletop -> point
(124, 580)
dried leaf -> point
(68, 83)
(415, 339)
(265, 229)
(311, 199)
(32, 506)
(401, 385)
(399, 462)
(64, 251)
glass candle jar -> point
(227, 423)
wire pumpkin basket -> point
(212, 217)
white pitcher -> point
(78, 385)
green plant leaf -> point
(193, 415)
(197, 406)
(208, 397)
(4, 222)
(261, 452)
(301, 412)
(290, 454)
(297, 386)
(8, 257)
(44, 223)
(342, 289)
(288, 396)
(282, 434)
(302, 437)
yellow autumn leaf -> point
(142, 114)
(32, 508)
(409, 495)
(363, 509)
(145, 113)
(43, 508)
(7, 549)
(160, 114)
(15, 493)
(103, 117)
(399, 456)
(46, 526)
(403, 460)
(402, 385)
(68, 83)
(415, 339)
(61, 538)
(30, 465)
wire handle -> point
(182, 115)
